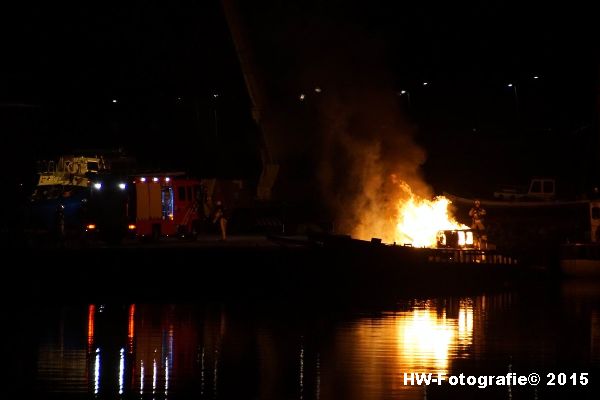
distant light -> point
(98, 185)
(142, 179)
(179, 99)
(403, 92)
(317, 90)
(122, 186)
(167, 179)
(114, 100)
(91, 227)
(215, 95)
(536, 77)
(155, 179)
(425, 83)
(302, 97)
(510, 85)
(131, 227)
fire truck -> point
(165, 205)
(145, 206)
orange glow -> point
(425, 339)
(419, 220)
(402, 216)
(91, 317)
(131, 227)
(91, 227)
(131, 326)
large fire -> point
(419, 220)
(409, 219)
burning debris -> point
(419, 220)
(414, 220)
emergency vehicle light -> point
(142, 179)
(155, 179)
(167, 179)
(97, 185)
(122, 186)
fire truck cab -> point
(165, 205)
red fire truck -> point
(165, 205)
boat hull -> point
(580, 260)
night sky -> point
(63, 65)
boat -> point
(58, 200)
(582, 259)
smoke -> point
(367, 147)
(348, 129)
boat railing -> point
(467, 256)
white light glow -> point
(166, 375)
(122, 186)
(142, 377)
(121, 369)
(97, 372)
(142, 179)
(154, 373)
(97, 185)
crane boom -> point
(270, 168)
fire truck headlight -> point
(122, 186)
(97, 185)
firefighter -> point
(219, 217)
(477, 214)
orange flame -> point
(419, 220)
(399, 215)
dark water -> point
(298, 350)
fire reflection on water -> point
(424, 338)
(180, 349)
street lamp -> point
(407, 94)
(514, 87)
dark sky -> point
(62, 66)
